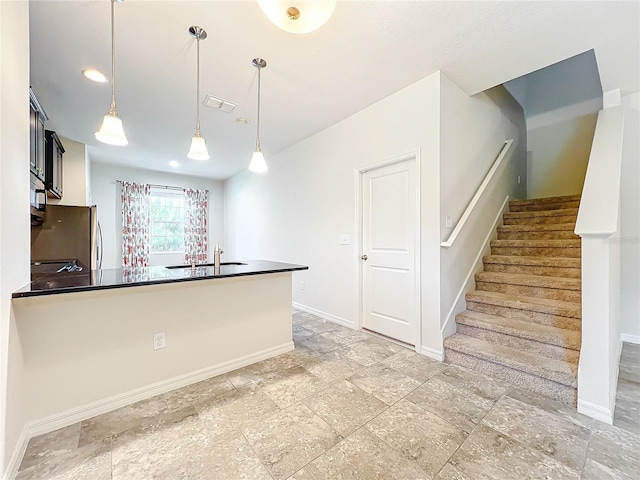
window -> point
(167, 221)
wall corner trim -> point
(627, 337)
(327, 316)
(16, 457)
(432, 353)
(595, 411)
(612, 98)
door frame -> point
(359, 179)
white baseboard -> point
(84, 412)
(625, 337)
(327, 316)
(16, 457)
(432, 353)
(595, 411)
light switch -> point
(448, 221)
(345, 240)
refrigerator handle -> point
(100, 248)
(95, 231)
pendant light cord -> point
(198, 83)
(112, 108)
(258, 119)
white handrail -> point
(476, 197)
(600, 202)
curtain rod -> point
(166, 187)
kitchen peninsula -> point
(88, 345)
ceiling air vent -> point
(219, 104)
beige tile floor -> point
(346, 405)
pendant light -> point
(298, 16)
(198, 150)
(258, 165)
(111, 130)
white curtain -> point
(135, 224)
(196, 240)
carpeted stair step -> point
(562, 215)
(544, 248)
(555, 313)
(548, 203)
(554, 288)
(554, 378)
(552, 342)
(549, 266)
(550, 231)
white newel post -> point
(597, 373)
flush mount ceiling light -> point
(198, 150)
(258, 165)
(111, 130)
(298, 16)
(95, 75)
(219, 104)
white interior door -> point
(390, 286)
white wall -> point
(75, 175)
(297, 211)
(560, 103)
(102, 357)
(14, 213)
(630, 221)
(558, 156)
(105, 194)
(473, 132)
(567, 83)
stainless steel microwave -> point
(37, 200)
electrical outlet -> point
(345, 240)
(301, 285)
(159, 341)
(448, 221)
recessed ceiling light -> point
(95, 75)
(242, 120)
(174, 164)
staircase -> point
(522, 323)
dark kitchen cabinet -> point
(37, 140)
(53, 164)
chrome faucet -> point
(216, 256)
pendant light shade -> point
(257, 164)
(198, 150)
(298, 16)
(111, 130)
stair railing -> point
(476, 198)
(599, 228)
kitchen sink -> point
(205, 265)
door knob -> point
(364, 257)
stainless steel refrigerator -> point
(68, 234)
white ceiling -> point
(367, 51)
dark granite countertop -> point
(119, 278)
